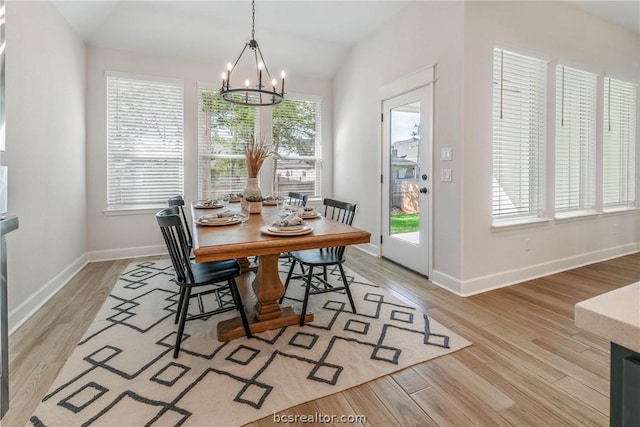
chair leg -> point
(238, 300)
(180, 302)
(183, 319)
(286, 282)
(346, 288)
(306, 296)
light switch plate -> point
(445, 175)
(446, 153)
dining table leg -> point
(268, 314)
(268, 288)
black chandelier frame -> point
(259, 95)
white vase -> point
(252, 189)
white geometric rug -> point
(122, 372)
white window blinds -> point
(223, 129)
(575, 140)
(619, 166)
(144, 141)
(296, 128)
(518, 135)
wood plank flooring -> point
(528, 365)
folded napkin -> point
(217, 216)
(292, 220)
(211, 203)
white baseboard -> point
(511, 277)
(463, 288)
(445, 281)
(368, 248)
(24, 311)
(113, 254)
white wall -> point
(459, 38)
(554, 32)
(426, 34)
(112, 236)
(45, 154)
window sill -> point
(575, 216)
(624, 210)
(621, 211)
(519, 223)
(140, 210)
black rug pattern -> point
(122, 371)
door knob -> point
(424, 190)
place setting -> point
(226, 217)
(291, 225)
(209, 204)
(310, 212)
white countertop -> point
(614, 316)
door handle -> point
(424, 190)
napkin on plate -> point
(209, 203)
(309, 211)
(289, 222)
(217, 216)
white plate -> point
(215, 206)
(290, 228)
(220, 221)
(268, 229)
(310, 215)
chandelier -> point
(257, 95)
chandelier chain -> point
(253, 19)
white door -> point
(406, 178)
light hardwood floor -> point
(528, 365)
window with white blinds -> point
(296, 131)
(518, 136)
(223, 129)
(619, 165)
(145, 141)
(575, 185)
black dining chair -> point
(297, 199)
(179, 202)
(217, 277)
(325, 257)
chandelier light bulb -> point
(247, 83)
(229, 66)
(283, 74)
(260, 65)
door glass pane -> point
(404, 214)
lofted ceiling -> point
(307, 37)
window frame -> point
(140, 206)
(202, 192)
(318, 145)
(536, 206)
(621, 205)
(264, 126)
(571, 95)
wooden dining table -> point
(211, 243)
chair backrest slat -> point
(179, 202)
(177, 243)
(339, 211)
